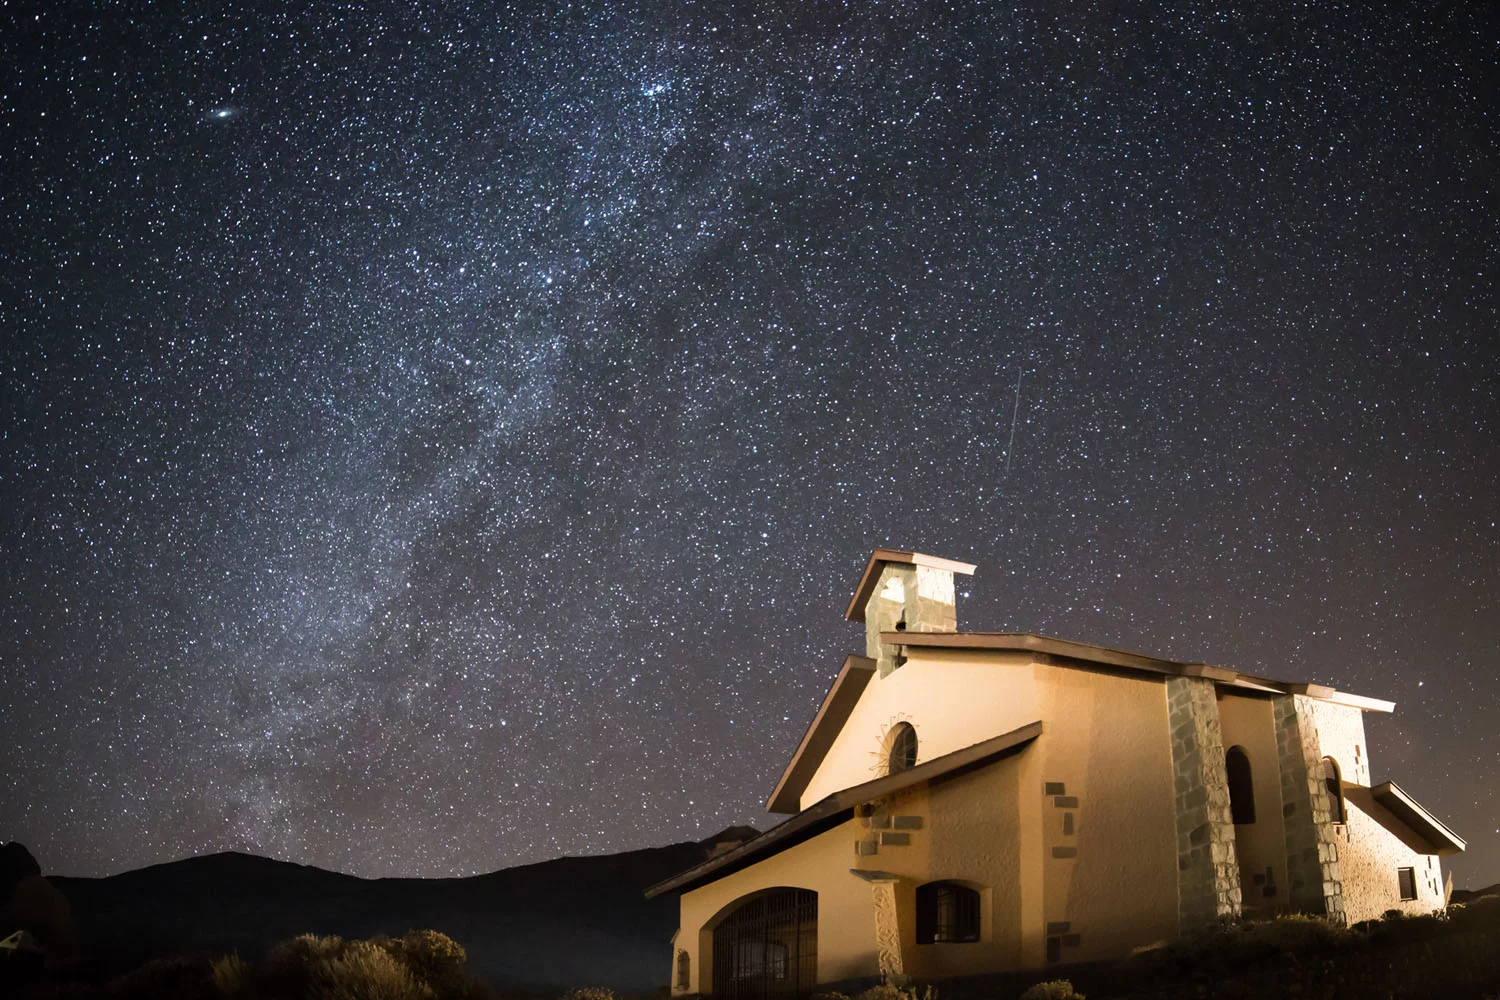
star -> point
(459, 441)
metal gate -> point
(768, 947)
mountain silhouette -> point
(562, 923)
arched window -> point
(764, 945)
(1334, 783)
(684, 970)
(900, 748)
(947, 912)
(1241, 789)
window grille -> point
(947, 913)
(768, 947)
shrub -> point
(890, 990)
(1292, 933)
(230, 974)
(590, 993)
(330, 968)
(303, 950)
(432, 956)
(363, 970)
(1053, 989)
(1393, 931)
(1228, 949)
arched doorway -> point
(767, 946)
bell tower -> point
(904, 592)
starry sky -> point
(441, 438)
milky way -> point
(442, 439)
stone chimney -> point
(904, 592)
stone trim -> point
(887, 931)
(1312, 850)
(1208, 878)
(907, 598)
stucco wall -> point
(953, 699)
(1246, 721)
(1112, 882)
(964, 828)
(1073, 842)
(1109, 885)
(846, 918)
(971, 834)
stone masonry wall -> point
(1312, 852)
(907, 598)
(886, 607)
(887, 931)
(1208, 878)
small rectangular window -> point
(947, 912)
(1408, 880)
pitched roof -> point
(836, 808)
(1066, 652)
(840, 700)
(871, 575)
(1431, 829)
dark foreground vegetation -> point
(540, 926)
(1454, 956)
(420, 965)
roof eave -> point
(829, 810)
(1068, 649)
(843, 694)
(1437, 833)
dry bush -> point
(589, 993)
(889, 990)
(434, 957)
(1396, 928)
(363, 970)
(1229, 949)
(231, 975)
(1053, 989)
(303, 950)
(1292, 933)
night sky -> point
(437, 440)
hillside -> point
(562, 922)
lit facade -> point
(966, 803)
